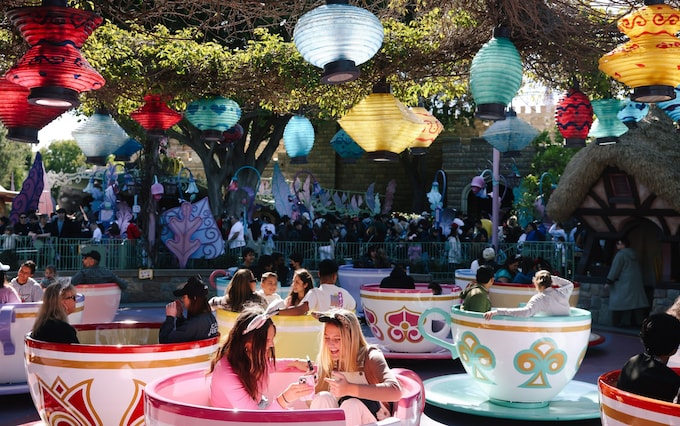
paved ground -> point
(618, 346)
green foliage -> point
(15, 161)
(63, 156)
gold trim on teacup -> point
(627, 419)
(415, 296)
(115, 365)
(34, 314)
(521, 327)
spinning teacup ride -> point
(392, 315)
(101, 380)
(183, 399)
(101, 302)
(16, 320)
(619, 407)
(351, 279)
(517, 368)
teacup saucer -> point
(460, 393)
(595, 339)
(439, 353)
(14, 389)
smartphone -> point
(311, 381)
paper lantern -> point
(233, 134)
(382, 125)
(650, 61)
(127, 150)
(632, 112)
(155, 115)
(99, 137)
(672, 107)
(495, 75)
(607, 128)
(433, 128)
(574, 117)
(510, 135)
(53, 68)
(346, 148)
(298, 138)
(213, 116)
(338, 37)
(22, 119)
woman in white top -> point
(548, 301)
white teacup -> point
(16, 319)
(101, 381)
(464, 277)
(519, 362)
(392, 315)
(101, 302)
(620, 407)
(351, 279)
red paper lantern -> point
(155, 116)
(234, 133)
(23, 120)
(574, 117)
(53, 67)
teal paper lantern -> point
(338, 37)
(672, 107)
(213, 116)
(298, 138)
(128, 149)
(99, 137)
(607, 127)
(632, 112)
(495, 76)
(346, 148)
(511, 135)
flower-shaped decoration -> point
(476, 357)
(541, 359)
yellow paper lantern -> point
(650, 61)
(381, 125)
(433, 128)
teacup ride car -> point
(464, 277)
(619, 407)
(101, 380)
(101, 302)
(16, 320)
(392, 316)
(351, 279)
(183, 399)
(219, 279)
(516, 368)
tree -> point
(15, 161)
(63, 156)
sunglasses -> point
(70, 297)
(22, 217)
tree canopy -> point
(63, 156)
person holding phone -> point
(199, 323)
(352, 374)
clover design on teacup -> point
(540, 360)
(476, 357)
(402, 325)
(371, 320)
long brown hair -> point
(308, 282)
(239, 291)
(52, 307)
(251, 366)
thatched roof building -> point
(650, 153)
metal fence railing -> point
(421, 257)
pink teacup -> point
(101, 302)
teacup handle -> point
(7, 317)
(432, 338)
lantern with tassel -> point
(574, 117)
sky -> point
(59, 129)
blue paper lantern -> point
(338, 37)
(632, 112)
(672, 107)
(495, 76)
(99, 137)
(346, 148)
(213, 116)
(127, 150)
(511, 135)
(607, 127)
(298, 138)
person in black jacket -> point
(52, 325)
(198, 325)
(647, 374)
(398, 279)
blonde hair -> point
(353, 346)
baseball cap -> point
(194, 287)
(488, 253)
(4, 267)
(94, 254)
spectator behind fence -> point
(647, 374)
(92, 273)
(239, 292)
(398, 279)
(26, 287)
(241, 368)
(51, 324)
(548, 300)
(476, 295)
(7, 292)
(199, 323)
